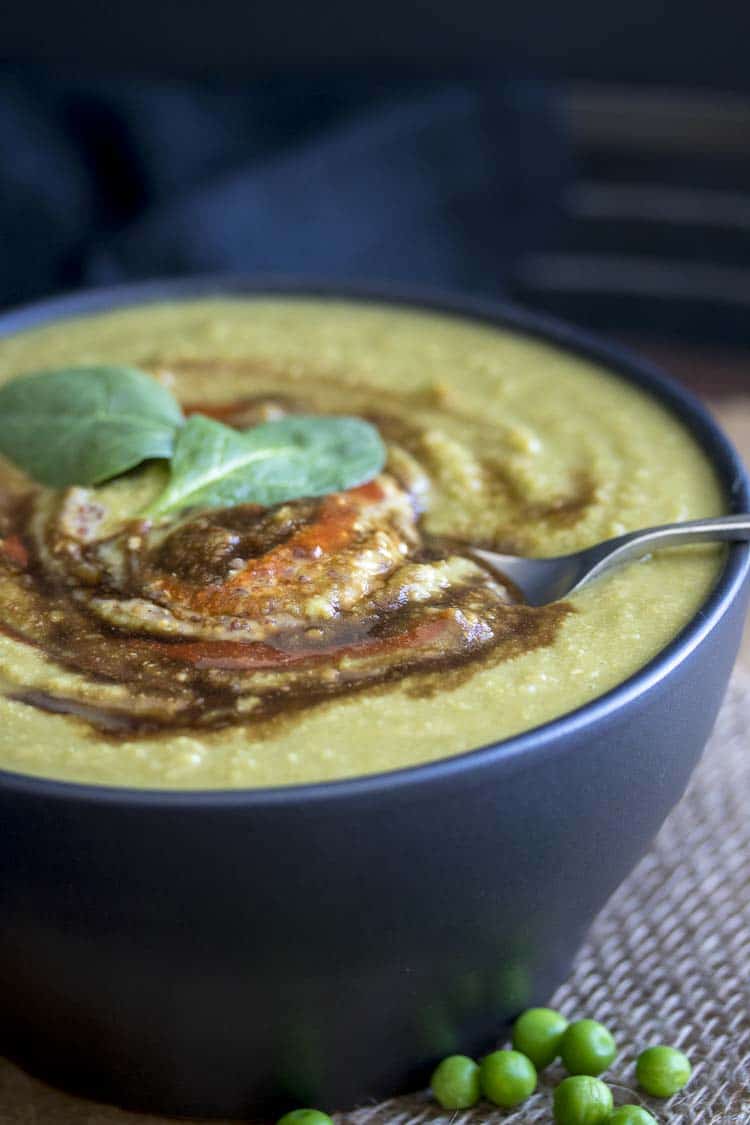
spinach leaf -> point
(83, 425)
(215, 466)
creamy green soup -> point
(494, 439)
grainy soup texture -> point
(350, 634)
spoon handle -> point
(636, 544)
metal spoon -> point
(547, 580)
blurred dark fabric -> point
(443, 184)
(672, 42)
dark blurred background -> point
(592, 161)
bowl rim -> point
(539, 742)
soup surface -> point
(351, 633)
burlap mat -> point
(667, 961)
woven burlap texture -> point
(667, 961)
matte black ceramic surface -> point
(237, 952)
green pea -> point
(582, 1100)
(305, 1117)
(507, 1078)
(587, 1047)
(631, 1115)
(455, 1082)
(662, 1071)
(537, 1034)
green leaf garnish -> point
(216, 466)
(84, 425)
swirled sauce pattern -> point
(233, 615)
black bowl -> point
(228, 953)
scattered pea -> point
(537, 1034)
(455, 1082)
(582, 1100)
(305, 1117)
(631, 1115)
(662, 1071)
(587, 1047)
(507, 1078)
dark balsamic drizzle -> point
(203, 694)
